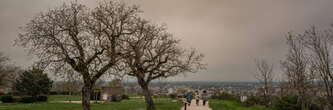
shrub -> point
(315, 107)
(53, 93)
(28, 99)
(16, 98)
(7, 99)
(125, 97)
(41, 98)
(318, 103)
(254, 100)
(173, 96)
(115, 98)
(225, 96)
(33, 82)
(287, 103)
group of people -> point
(197, 95)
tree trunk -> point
(70, 94)
(148, 96)
(86, 93)
(149, 99)
(330, 100)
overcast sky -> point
(231, 33)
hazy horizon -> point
(230, 33)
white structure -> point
(171, 91)
(243, 98)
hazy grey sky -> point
(231, 33)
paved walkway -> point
(194, 106)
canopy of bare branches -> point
(154, 53)
(85, 39)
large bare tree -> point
(295, 67)
(265, 76)
(320, 44)
(86, 40)
(153, 53)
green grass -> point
(231, 105)
(135, 95)
(133, 104)
(64, 98)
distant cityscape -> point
(166, 88)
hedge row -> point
(24, 99)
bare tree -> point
(319, 43)
(265, 76)
(3, 71)
(8, 72)
(153, 53)
(85, 40)
(295, 68)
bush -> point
(115, 98)
(225, 96)
(33, 82)
(318, 103)
(173, 96)
(315, 107)
(53, 93)
(17, 98)
(64, 93)
(28, 99)
(41, 98)
(125, 97)
(254, 100)
(287, 103)
(7, 99)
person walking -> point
(204, 97)
(197, 97)
(189, 97)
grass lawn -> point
(135, 95)
(132, 104)
(53, 98)
(231, 105)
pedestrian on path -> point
(189, 97)
(197, 97)
(200, 107)
(204, 97)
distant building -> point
(108, 92)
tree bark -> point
(86, 93)
(149, 99)
(148, 96)
(330, 100)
